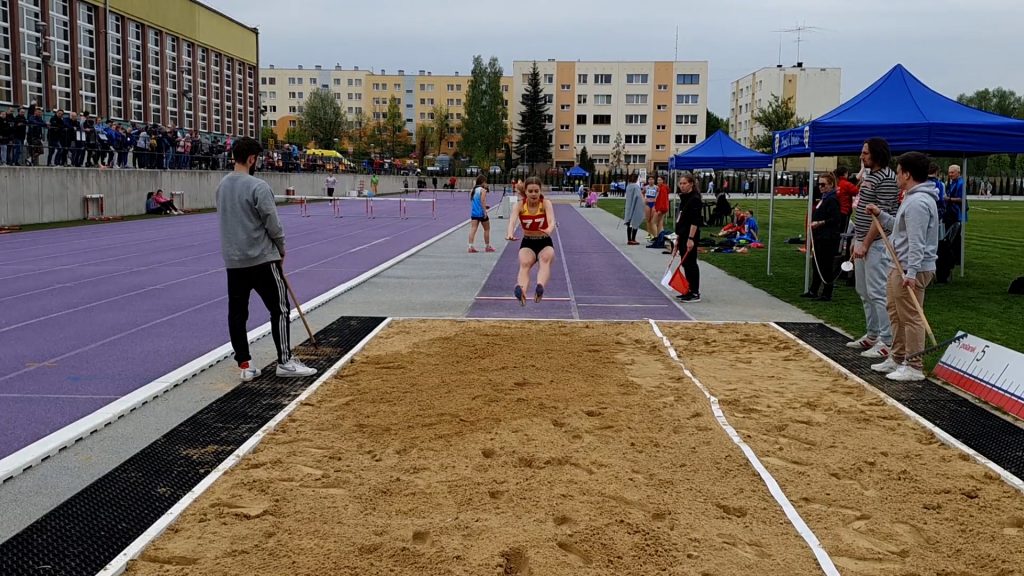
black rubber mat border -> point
(988, 434)
(87, 531)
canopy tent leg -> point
(810, 210)
(963, 221)
(771, 215)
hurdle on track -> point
(368, 204)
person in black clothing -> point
(36, 126)
(54, 136)
(5, 135)
(688, 222)
(826, 226)
(19, 128)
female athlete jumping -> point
(537, 218)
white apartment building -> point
(814, 92)
(284, 90)
(659, 108)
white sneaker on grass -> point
(889, 365)
(294, 368)
(879, 350)
(249, 373)
(862, 343)
(906, 373)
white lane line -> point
(568, 281)
(43, 448)
(120, 562)
(626, 305)
(546, 299)
(939, 433)
(69, 396)
(824, 561)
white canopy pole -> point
(810, 210)
(963, 220)
(771, 215)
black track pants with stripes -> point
(268, 281)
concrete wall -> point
(41, 195)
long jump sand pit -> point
(575, 448)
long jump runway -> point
(590, 280)
(94, 313)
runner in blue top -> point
(478, 215)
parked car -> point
(494, 170)
(472, 170)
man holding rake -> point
(252, 243)
(915, 240)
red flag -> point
(676, 280)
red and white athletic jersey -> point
(533, 222)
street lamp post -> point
(44, 56)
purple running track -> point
(590, 280)
(93, 313)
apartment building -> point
(813, 91)
(659, 108)
(174, 62)
(367, 94)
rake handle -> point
(899, 268)
(298, 307)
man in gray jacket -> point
(252, 243)
(915, 239)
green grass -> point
(977, 303)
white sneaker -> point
(889, 365)
(879, 350)
(906, 373)
(249, 373)
(862, 343)
(294, 369)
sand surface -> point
(557, 449)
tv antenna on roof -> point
(799, 30)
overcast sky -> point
(952, 46)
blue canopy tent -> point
(719, 151)
(910, 116)
(577, 172)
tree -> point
(777, 115)
(394, 138)
(266, 135)
(359, 136)
(1020, 163)
(586, 162)
(484, 130)
(616, 157)
(322, 118)
(715, 123)
(425, 139)
(297, 136)
(534, 141)
(998, 101)
(441, 125)
(998, 165)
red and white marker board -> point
(990, 372)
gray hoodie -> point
(250, 232)
(634, 215)
(915, 229)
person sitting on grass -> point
(166, 203)
(736, 227)
(592, 199)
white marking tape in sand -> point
(773, 487)
(25, 458)
(938, 432)
(120, 562)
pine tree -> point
(586, 162)
(616, 157)
(533, 144)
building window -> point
(600, 119)
(6, 67)
(635, 158)
(662, 87)
(662, 107)
(602, 78)
(686, 138)
(687, 78)
(563, 127)
(60, 48)
(565, 107)
(636, 138)
(581, 78)
(155, 53)
(687, 99)
(659, 147)
(581, 138)
(686, 118)
(581, 98)
(636, 98)
(636, 118)
(636, 78)
(603, 99)
(292, 123)
(660, 127)
(581, 118)
(548, 118)
(549, 78)
(563, 147)
(31, 65)
(602, 139)
(566, 87)
(549, 98)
